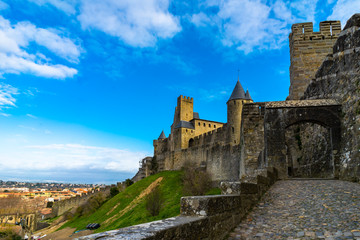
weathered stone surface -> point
(230, 188)
(248, 188)
(146, 230)
(339, 78)
(353, 21)
(277, 120)
(301, 103)
(209, 205)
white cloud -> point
(69, 157)
(31, 116)
(344, 9)
(3, 5)
(15, 55)
(254, 24)
(200, 19)
(67, 6)
(7, 97)
(138, 23)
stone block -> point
(230, 188)
(209, 205)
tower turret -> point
(182, 129)
(162, 135)
(234, 111)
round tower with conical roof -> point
(234, 112)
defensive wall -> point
(210, 151)
(262, 143)
(60, 207)
(201, 217)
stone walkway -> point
(305, 209)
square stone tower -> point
(308, 50)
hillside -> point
(128, 207)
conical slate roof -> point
(247, 95)
(238, 92)
(162, 135)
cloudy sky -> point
(86, 85)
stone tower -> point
(308, 50)
(182, 130)
(234, 112)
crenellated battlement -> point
(182, 98)
(304, 31)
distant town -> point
(52, 191)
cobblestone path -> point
(305, 209)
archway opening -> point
(309, 151)
(191, 142)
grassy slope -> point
(171, 187)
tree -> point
(154, 202)
(196, 182)
(128, 182)
(114, 191)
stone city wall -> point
(208, 151)
(202, 217)
(60, 207)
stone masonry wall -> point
(307, 51)
(210, 151)
(61, 207)
(339, 78)
(252, 139)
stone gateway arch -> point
(279, 116)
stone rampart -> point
(60, 207)
(210, 150)
(202, 217)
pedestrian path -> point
(305, 209)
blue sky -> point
(86, 85)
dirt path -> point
(135, 202)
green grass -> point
(171, 187)
(214, 191)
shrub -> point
(196, 182)
(91, 205)
(114, 191)
(128, 182)
(154, 202)
(9, 234)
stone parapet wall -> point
(202, 217)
